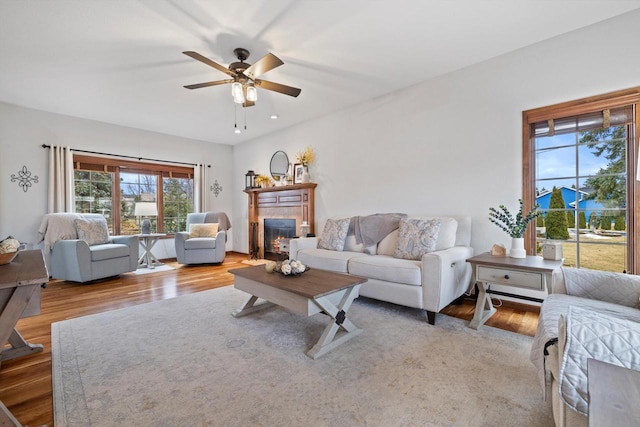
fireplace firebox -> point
(274, 230)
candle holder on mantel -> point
(304, 229)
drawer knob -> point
(506, 276)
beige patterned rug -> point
(187, 362)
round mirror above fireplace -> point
(279, 166)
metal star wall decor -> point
(216, 188)
(24, 179)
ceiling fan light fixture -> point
(237, 92)
(236, 89)
(252, 93)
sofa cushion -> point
(416, 237)
(384, 267)
(328, 260)
(94, 231)
(387, 246)
(200, 243)
(108, 251)
(203, 230)
(447, 233)
(446, 236)
(334, 234)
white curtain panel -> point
(61, 188)
(201, 182)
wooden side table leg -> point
(484, 307)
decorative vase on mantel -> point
(305, 174)
(517, 248)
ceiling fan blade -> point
(262, 65)
(277, 87)
(198, 57)
(207, 84)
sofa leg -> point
(431, 317)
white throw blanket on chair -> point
(58, 226)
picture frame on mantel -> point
(298, 168)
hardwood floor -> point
(25, 383)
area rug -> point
(156, 269)
(187, 362)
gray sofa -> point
(431, 283)
(582, 305)
(75, 260)
(201, 250)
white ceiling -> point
(121, 61)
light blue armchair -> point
(202, 250)
(76, 260)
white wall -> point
(452, 145)
(23, 131)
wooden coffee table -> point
(315, 291)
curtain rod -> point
(129, 157)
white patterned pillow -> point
(416, 237)
(334, 234)
(94, 231)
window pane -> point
(556, 162)
(178, 202)
(136, 187)
(93, 193)
(607, 255)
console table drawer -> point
(502, 276)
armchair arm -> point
(221, 241)
(617, 288)
(446, 275)
(134, 248)
(301, 243)
(179, 239)
(71, 260)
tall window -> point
(112, 187)
(580, 167)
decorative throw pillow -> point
(203, 230)
(416, 237)
(334, 234)
(94, 231)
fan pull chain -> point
(235, 119)
(245, 118)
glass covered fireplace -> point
(276, 230)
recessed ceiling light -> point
(237, 131)
(274, 116)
